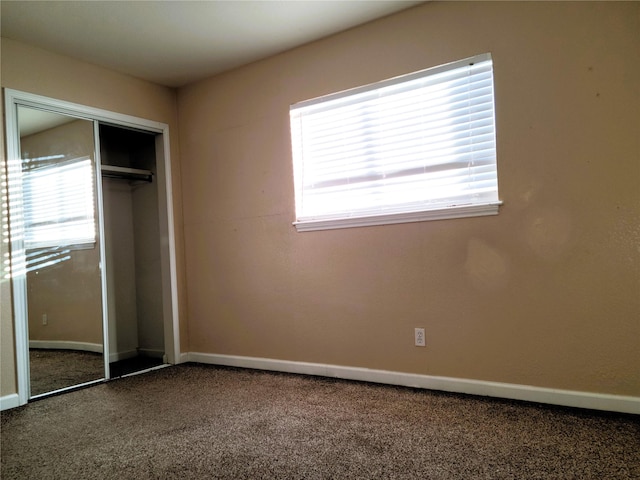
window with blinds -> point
(59, 205)
(416, 147)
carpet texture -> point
(55, 369)
(52, 369)
(197, 421)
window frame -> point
(356, 219)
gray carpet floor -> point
(196, 421)
(55, 369)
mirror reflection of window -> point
(58, 204)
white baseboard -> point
(117, 356)
(66, 345)
(150, 352)
(145, 352)
(9, 401)
(83, 346)
(568, 398)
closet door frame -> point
(15, 98)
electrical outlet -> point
(419, 337)
(45, 320)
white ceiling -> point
(174, 43)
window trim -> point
(361, 220)
(477, 210)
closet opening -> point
(132, 249)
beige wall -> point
(37, 71)
(545, 294)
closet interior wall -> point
(132, 246)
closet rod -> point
(112, 171)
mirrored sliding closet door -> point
(61, 248)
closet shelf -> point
(127, 173)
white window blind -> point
(416, 147)
(59, 205)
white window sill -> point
(367, 221)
